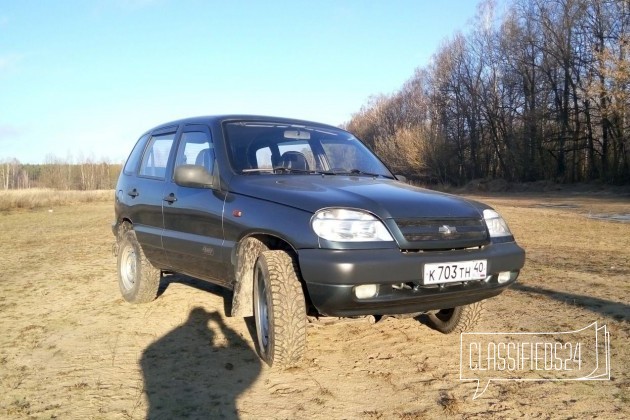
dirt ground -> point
(70, 347)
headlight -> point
(496, 225)
(344, 225)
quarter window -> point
(134, 157)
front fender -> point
(246, 216)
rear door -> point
(193, 230)
(144, 191)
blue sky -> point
(83, 79)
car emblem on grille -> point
(447, 230)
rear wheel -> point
(279, 309)
(137, 278)
(457, 320)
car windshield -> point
(275, 148)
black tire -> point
(457, 320)
(279, 309)
(138, 279)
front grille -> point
(443, 233)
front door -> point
(193, 230)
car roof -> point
(218, 119)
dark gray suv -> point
(297, 218)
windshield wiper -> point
(279, 170)
(251, 170)
(285, 170)
(358, 172)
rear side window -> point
(155, 157)
(134, 156)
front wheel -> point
(279, 309)
(138, 279)
(458, 319)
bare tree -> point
(542, 92)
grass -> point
(449, 404)
(35, 198)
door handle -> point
(133, 193)
(170, 198)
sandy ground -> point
(70, 347)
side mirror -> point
(193, 176)
(401, 178)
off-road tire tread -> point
(287, 310)
(148, 279)
(464, 319)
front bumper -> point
(331, 275)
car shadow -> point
(198, 369)
(424, 320)
(204, 286)
(616, 310)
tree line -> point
(541, 92)
(59, 174)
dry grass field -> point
(36, 198)
(70, 347)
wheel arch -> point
(122, 225)
(119, 228)
(272, 242)
(244, 256)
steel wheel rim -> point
(262, 313)
(128, 268)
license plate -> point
(455, 271)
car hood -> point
(383, 197)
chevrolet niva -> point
(300, 219)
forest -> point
(540, 91)
(59, 174)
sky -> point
(82, 80)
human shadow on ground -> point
(198, 370)
(617, 310)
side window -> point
(155, 157)
(134, 157)
(195, 148)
